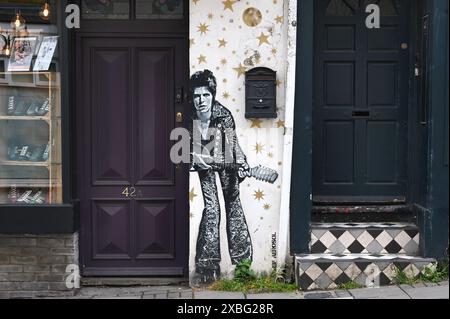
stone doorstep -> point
(372, 238)
(130, 282)
(326, 271)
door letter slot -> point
(361, 114)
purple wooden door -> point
(133, 200)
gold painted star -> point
(258, 148)
(191, 42)
(222, 43)
(210, 16)
(240, 70)
(203, 28)
(263, 39)
(223, 61)
(267, 206)
(278, 82)
(226, 95)
(259, 194)
(274, 51)
(256, 123)
(270, 154)
(192, 194)
(201, 59)
(279, 19)
(195, 1)
(228, 4)
(280, 123)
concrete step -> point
(365, 238)
(328, 271)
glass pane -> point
(342, 7)
(30, 117)
(106, 9)
(387, 7)
(159, 9)
(29, 10)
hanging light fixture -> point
(18, 22)
(45, 12)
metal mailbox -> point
(260, 93)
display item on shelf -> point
(24, 198)
(28, 197)
(43, 108)
(20, 107)
(13, 194)
(28, 153)
(11, 104)
(46, 153)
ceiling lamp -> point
(18, 22)
(45, 12)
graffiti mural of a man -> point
(211, 116)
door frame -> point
(301, 180)
(110, 29)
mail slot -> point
(260, 93)
(361, 113)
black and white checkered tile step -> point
(328, 271)
(364, 238)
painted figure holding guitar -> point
(216, 150)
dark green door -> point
(361, 101)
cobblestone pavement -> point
(419, 291)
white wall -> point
(262, 141)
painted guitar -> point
(259, 172)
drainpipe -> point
(283, 256)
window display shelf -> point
(24, 118)
(29, 183)
(30, 138)
(26, 163)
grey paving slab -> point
(205, 294)
(343, 294)
(319, 295)
(437, 292)
(419, 285)
(443, 283)
(278, 295)
(392, 292)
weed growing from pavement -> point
(350, 285)
(435, 273)
(245, 280)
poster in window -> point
(22, 53)
(45, 54)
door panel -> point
(153, 118)
(110, 139)
(155, 231)
(134, 203)
(361, 102)
(111, 223)
(339, 152)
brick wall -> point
(35, 266)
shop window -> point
(159, 9)
(30, 110)
(106, 9)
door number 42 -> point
(131, 192)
